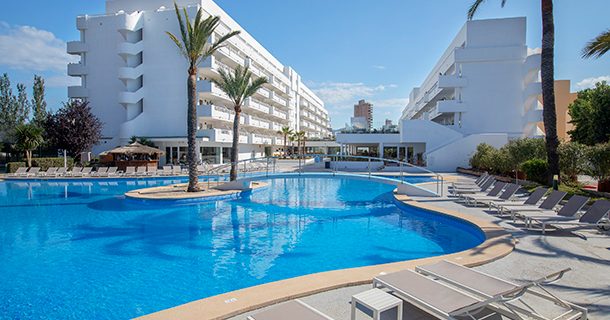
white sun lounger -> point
(100, 172)
(112, 172)
(75, 171)
(60, 172)
(167, 171)
(49, 173)
(32, 172)
(20, 172)
(510, 297)
(130, 171)
(85, 172)
(293, 310)
(433, 297)
(141, 171)
(593, 217)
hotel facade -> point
(485, 88)
(135, 80)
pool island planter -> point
(176, 193)
(497, 244)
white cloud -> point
(29, 48)
(590, 82)
(391, 103)
(379, 67)
(338, 93)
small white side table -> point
(377, 301)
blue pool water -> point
(81, 251)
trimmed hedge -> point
(535, 170)
(11, 167)
(46, 163)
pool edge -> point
(498, 243)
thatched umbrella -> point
(135, 148)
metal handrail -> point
(439, 178)
(270, 167)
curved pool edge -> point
(498, 243)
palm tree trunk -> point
(235, 151)
(548, 87)
(285, 146)
(28, 156)
(191, 156)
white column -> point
(381, 150)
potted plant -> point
(599, 165)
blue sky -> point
(345, 50)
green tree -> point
(286, 131)
(300, 138)
(547, 72)
(598, 46)
(599, 161)
(572, 160)
(239, 86)
(74, 128)
(27, 138)
(590, 114)
(39, 105)
(195, 46)
(142, 141)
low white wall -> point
(458, 153)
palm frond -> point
(474, 7)
(238, 85)
(598, 46)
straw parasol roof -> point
(134, 148)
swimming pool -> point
(78, 250)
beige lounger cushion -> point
(426, 291)
(292, 310)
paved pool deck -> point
(534, 256)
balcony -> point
(452, 81)
(78, 92)
(217, 113)
(257, 123)
(81, 23)
(532, 89)
(532, 63)
(222, 135)
(257, 106)
(130, 49)
(76, 47)
(130, 22)
(230, 57)
(211, 92)
(259, 139)
(534, 116)
(77, 69)
(128, 73)
(131, 97)
(450, 106)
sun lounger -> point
(167, 171)
(112, 172)
(75, 171)
(293, 310)
(60, 172)
(176, 170)
(548, 204)
(570, 209)
(475, 185)
(591, 218)
(507, 194)
(532, 200)
(32, 172)
(431, 296)
(85, 172)
(130, 171)
(141, 171)
(469, 183)
(494, 192)
(20, 172)
(49, 173)
(510, 296)
(100, 172)
(462, 191)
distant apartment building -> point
(483, 89)
(563, 99)
(363, 114)
(135, 80)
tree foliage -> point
(599, 161)
(74, 127)
(598, 46)
(142, 141)
(572, 160)
(590, 114)
(14, 110)
(39, 105)
(27, 138)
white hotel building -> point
(135, 80)
(484, 88)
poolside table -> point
(377, 301)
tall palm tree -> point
(598, 46)
(28, 137)
(195, 46)
(239, 86)
(547, 72)
(286, 131)
(300, 137)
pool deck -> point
(178, 192)
(535, 255)
(498, 244)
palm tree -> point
(300, 137)
(598, 46)
(28, 137)
(286, 131)
(547, 73)
(194, 45)
(239, 86)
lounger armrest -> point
(552, 278)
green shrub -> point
(46, 163)
(599, 161)
(535, 170)
(11, 167)
(479, 158)
(521, 150)
(572, 160)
